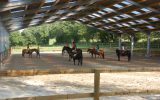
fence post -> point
(96, 84)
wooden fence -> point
(4, 55)
(96, 94)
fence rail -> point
(102, 45)
(4, 55)
(96, 94)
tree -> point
(16, 39)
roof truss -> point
(114, 15)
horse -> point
(30, 51)
(36, 51)
(100, 53)
(74, 54)
(123, 53)
(25, 51)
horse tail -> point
(81, 59)
(103, 54)
(129, 55)
(62, 50)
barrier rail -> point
(96, 94)
(4, 55)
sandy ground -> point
(41, 85)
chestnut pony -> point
(100, 53)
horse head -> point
(68, 49)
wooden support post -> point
(96, 84)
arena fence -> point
(4, 55)
(96, 94)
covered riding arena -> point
(53, 77)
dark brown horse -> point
(123, 53)
(74, 54)
(30, 51)
(36, 51)
(25, 51)
(100, 53)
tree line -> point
(66, 31)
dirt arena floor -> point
(56, 60)
(41, 85)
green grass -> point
(84, 46)
(42, 49)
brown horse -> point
(123, 53)
(100, 53)
(30, 51)
(25, 51)
(36, 51)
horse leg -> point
(30, 54)
(74, 61)
(129, 57)
(118, 57)
(103, 55)
(70, 57)
(39, 55)
(81, 60)
(78, 61)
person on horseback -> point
(97, 48)
(74, 47)
(66, 44)
(28, 48)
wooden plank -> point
(24, 98)
(86, 95)
(130, 92)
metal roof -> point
(119, 16)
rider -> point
(28, 47)
(66, 44)
(97, 47)
(123, 48)
(74, 47)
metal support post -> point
(148, 45)
(119, 42)
(132, 43)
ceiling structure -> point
(120, 16)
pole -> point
(96, 84)
(120, 41)
(132, 43)
(148, 45)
